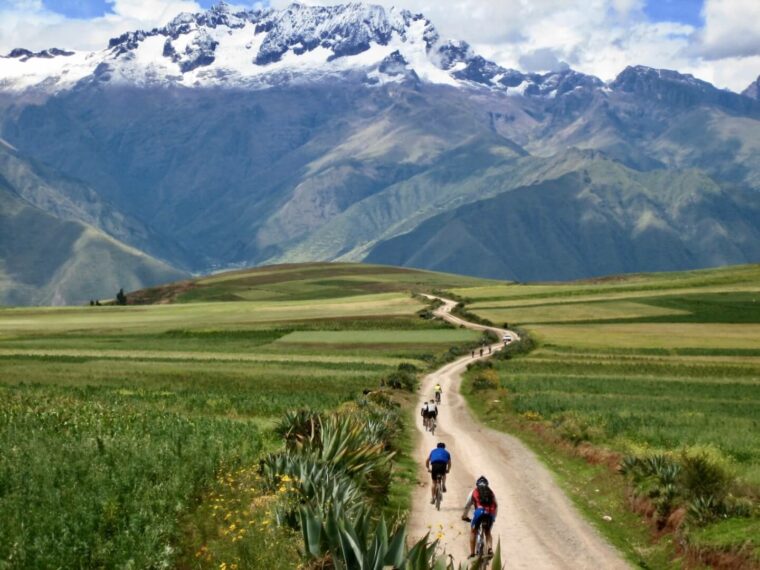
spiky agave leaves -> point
(344, 442)
(362, 544)
(317, 485)
(297, 425)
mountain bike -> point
(437, 397)
(482, 558)
(438, 492)
(432, 425)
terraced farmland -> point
(638, 366)
(126, 431)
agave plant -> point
(344, 443)
(322, 487)
(366, 545)
(361, 544)
(297, 425)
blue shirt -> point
(439, 455)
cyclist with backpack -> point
(439, 464)
(483, 500)
(432, 413)
(425, 413)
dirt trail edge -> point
(538, 525)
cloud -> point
(27, 23)
(542, 59)
(732, 29)
(600, 37)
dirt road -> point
(537, 524)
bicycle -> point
(438, 492)
(432, 425)
(438, 398)
(481, 557)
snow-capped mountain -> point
(230, 138)
(265, 47)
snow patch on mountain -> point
(264, 47)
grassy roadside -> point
(597, 491)
(658, 374)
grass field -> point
(122, 428)
(640, 365)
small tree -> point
(121, 298)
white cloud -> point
(27, 23)
(732, 29)
(600, 37)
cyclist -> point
(438, 463)
(425, 413)
(438, 390)
(483, 500)
(432, 411)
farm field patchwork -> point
(655, 373)
(119, 425)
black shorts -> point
(433, 414)
(437, 470)
(426, 414)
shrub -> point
(486, 379)
(704, 475)
(576, 428)
(401, 380)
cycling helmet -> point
(482, 481)
(441, 445)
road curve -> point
(538, 526)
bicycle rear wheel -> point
(480, 543)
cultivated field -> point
(653, 363)
(130, 434)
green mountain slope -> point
(46, 260)
(603, 214)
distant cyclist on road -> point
(438, 390)
(425, 413)
(483, 500)
(439, 464)
(432, 410)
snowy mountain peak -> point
(259, 48)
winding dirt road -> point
(537, 524)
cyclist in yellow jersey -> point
(438, 391)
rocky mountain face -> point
(353, 132)
(753, 90)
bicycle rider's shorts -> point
(437, 469)
(480, 517)
(434, 414)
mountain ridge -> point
(364, 129)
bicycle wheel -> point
(438, 495)
(480, 543)
(432, 427)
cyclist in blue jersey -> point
(438, 463)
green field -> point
(641, 365)
(122, 428)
